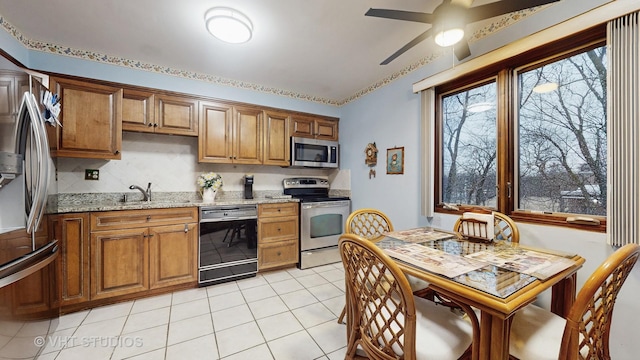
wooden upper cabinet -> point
(276, 139)
(247, 136)
(229, 135)
(316, 128)
(177, 115)
(12, 85)
(91, 120)
(138, 111)
(215, 128)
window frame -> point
(505, 75)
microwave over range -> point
(307, 152)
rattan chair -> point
(385, 320)
(370, 224)
(538, 334)
(504, 228)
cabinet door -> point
(173, 255)
(177, 115)
(138, 111)
(11, 90)
(276, 139)
(91, 120)
(277, 254)
(326, 129)
(72, 232)
(216, 130)
(247, 136)
(119, 262)
(277, 229)
(302, 127)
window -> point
(468, 148)
(562, 139)
(527, 137)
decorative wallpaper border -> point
(56, 49)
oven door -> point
(322, 223)
(227, 251)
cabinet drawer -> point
(123, 219)
(277, 254)
(277, 229)
(279, 209)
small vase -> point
(209, 196)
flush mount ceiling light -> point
(228, 25)
(545, 88)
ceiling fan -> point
(449, 19)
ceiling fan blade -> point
(461, 49)
(411, 44)
(401, 15)
(502, 7)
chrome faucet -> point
(145, 193)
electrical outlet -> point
(91, 174)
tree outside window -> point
(528, 137)
(563, 135)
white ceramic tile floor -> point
(279, 315)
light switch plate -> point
(91, 174)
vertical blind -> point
(623, 130)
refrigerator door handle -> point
(28, 264)
(39, 139)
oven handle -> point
(229, 218)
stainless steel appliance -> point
(227, 246)
(29, 291)
(322, 220)
(25, 168)
(307, 152)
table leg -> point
(494, 337)
(563, 294)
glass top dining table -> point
(497, 277)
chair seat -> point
(440, 333)
(536, 333)
(416, 283)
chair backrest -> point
(586, 333)
(382, 304)
(368, 223)
(504, 228)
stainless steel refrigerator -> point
(29, 300)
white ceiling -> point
(322, 50)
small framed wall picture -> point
(395, 160)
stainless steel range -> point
(322, 220)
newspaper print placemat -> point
(433, 260)
(420, 235)
(534, 263)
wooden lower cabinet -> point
(277, 235)
(119, 263)
(72, 232)
(135, 251)
(173, 254)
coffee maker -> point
(248, 186)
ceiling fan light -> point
(545, 87)
(449, 37)
(480, 107)
(228, 25)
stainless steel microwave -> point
(314, 153)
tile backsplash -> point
(170, 164)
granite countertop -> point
(70, 203)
